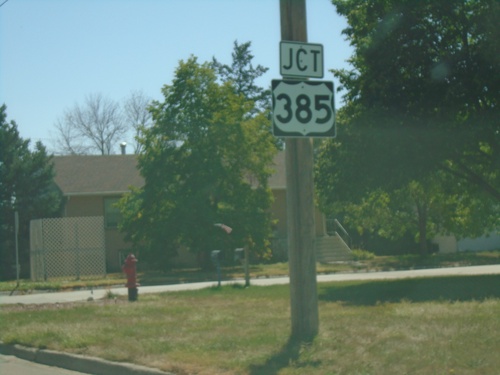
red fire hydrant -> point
(129, 267)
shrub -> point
(359, 254)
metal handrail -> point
(338, 225)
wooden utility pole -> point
(300, 202)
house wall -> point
(483, 243)
(279, 212)
(84, 206)
(114, 240)
(117, 247)
(446, 244)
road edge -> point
(77, 362)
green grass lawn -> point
(446, 325)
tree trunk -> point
(422, 229)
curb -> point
(76, 362)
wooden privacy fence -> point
(70, 247)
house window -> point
(112, 215)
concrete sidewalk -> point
(84, 295)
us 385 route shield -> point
(303, 109)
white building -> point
(449, 244)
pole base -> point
(132, 294)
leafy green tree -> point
(421, 209)
(243, 75)
(26, 186)
(423, 91)
(421, 113)
(204, 162)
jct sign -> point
(301, 60)
(303, 109)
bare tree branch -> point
(67, 141)
(137, 115)
(97, 126)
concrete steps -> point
(331, 249)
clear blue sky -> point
(54, 53)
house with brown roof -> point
(91, 184)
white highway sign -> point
(301, 60)
(303, 109)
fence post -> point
(77, 251)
